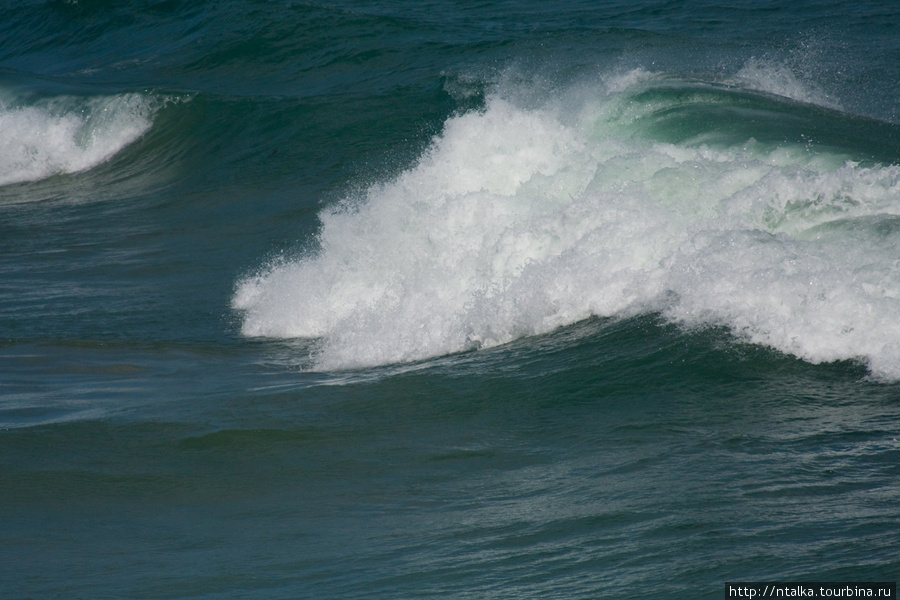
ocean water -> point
(447, 299)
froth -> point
(67, 135)
(517, 221)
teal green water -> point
(447, 299)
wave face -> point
(60, 135)
(613, 199)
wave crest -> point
(518, 221)
(67, 135)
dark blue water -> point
(447, 299)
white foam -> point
(518, 221)
(68, 135)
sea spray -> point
(519, 220)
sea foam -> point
(66, 135)
(519, 220)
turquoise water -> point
(447, 299)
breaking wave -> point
(751, 204)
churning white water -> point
(519, 220)
(67, 135)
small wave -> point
(67, 134)
(520, 220)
